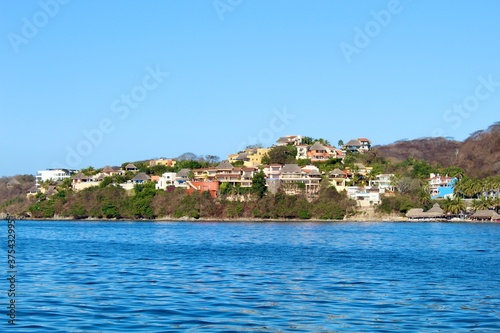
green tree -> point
(259, 187)
(281, 155)
(158, 170)
(482, 203)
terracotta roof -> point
(363, 139)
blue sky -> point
(104, 82)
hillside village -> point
(239, 170)
(295, 166)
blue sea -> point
(254, 277)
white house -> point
(383, 182)
(167, 179)
(54, 175)
(364, 196)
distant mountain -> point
(478, 155)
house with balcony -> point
(302, 152)
(247, 176)
(338, 178)
(181, 177)
(361, 169)
(166, 180)
(294, 180)
(364, 196)
(360, 145)
(441, 186)
(365, 144)
(383, 182)
(318, 152)
(81, 181)
(204, 174)
(272, 171)
(289, 140)
(55, 175)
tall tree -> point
(259, 184)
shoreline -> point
(392, 219)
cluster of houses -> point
(316, 152)
(290, 178)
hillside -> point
(478, 155)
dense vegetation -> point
(144, 202)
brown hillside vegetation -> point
(478, 155)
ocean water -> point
(254, 277)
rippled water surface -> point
(255, 277)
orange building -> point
(212, 187)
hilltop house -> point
(53, 175)
(163, 161)
(113, 171)
(318, 152)
(131, 167)
(251, 157)
(360, 145)
(289, 140)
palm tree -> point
(496, 203)
(458, 206)
(424, 197)
(453, 206)
(482, 203)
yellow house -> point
(163, 161)
(232, 158)
(255, 156)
